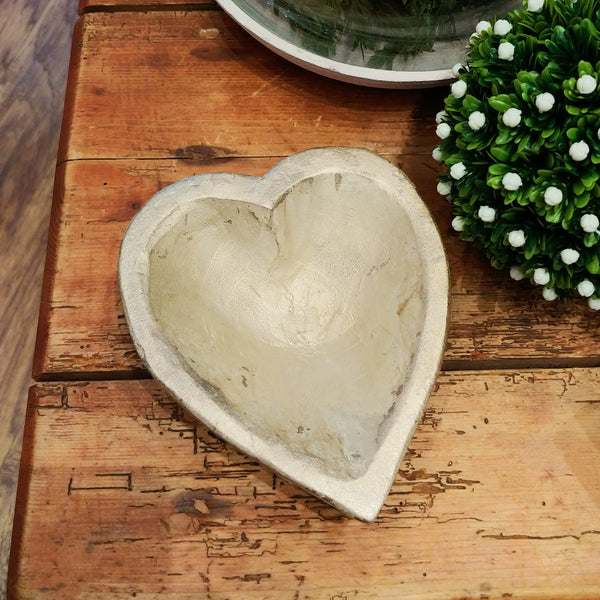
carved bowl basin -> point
(300, 315)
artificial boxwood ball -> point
(520, 140)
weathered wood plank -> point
(497, 497)
(494, 320)
(144, 86)
(35, 39)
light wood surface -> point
(262, 109)
(35, 39)
(137, 501)
(198, 126)
(121, 496)
(83, 328)
(216, 93)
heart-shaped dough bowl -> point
(300, 315)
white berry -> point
(459, 88)
(444, 188)
(516, 273)
(553, 196)
(586, 288)
(569, 256)
(535, 5)
(512, 181)
(506, 51)
(458, 170)
(579, 151)
(544, 102)
(502, 27)
(586, 84)
(443, 130)
(456, 69)
(589, 223)
(487, 214)
(516, 238)
(512, 117)
(440, 116)
(541, 276)
(482, 26)
(594, 303)
(458, 224)
(476, 120)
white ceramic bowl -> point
(431, 67)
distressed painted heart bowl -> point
(301, 315)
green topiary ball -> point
(520, 137)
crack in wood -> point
(522, 536)
(203, 153)
(256, 577)
(112, 483)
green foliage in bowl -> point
(520, 137)
(381, 29)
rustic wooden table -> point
(122, 496)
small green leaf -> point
(501, 103)
(505, 137)
(592, 263)
(578, 188)
(589, 179)
(497, 233)
(523, 143)
(470, 103)
(499, 169)
(495, 181)
(585, 68)
(501, 153)
(553, 215)
(572, 109)
(581, 201)
(567, 215)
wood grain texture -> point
(136, 5)
(121, 496)
(35, 38)
(195, 85)
(216, 100)
(83, 333)
(497, 497)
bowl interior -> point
(302, 319)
